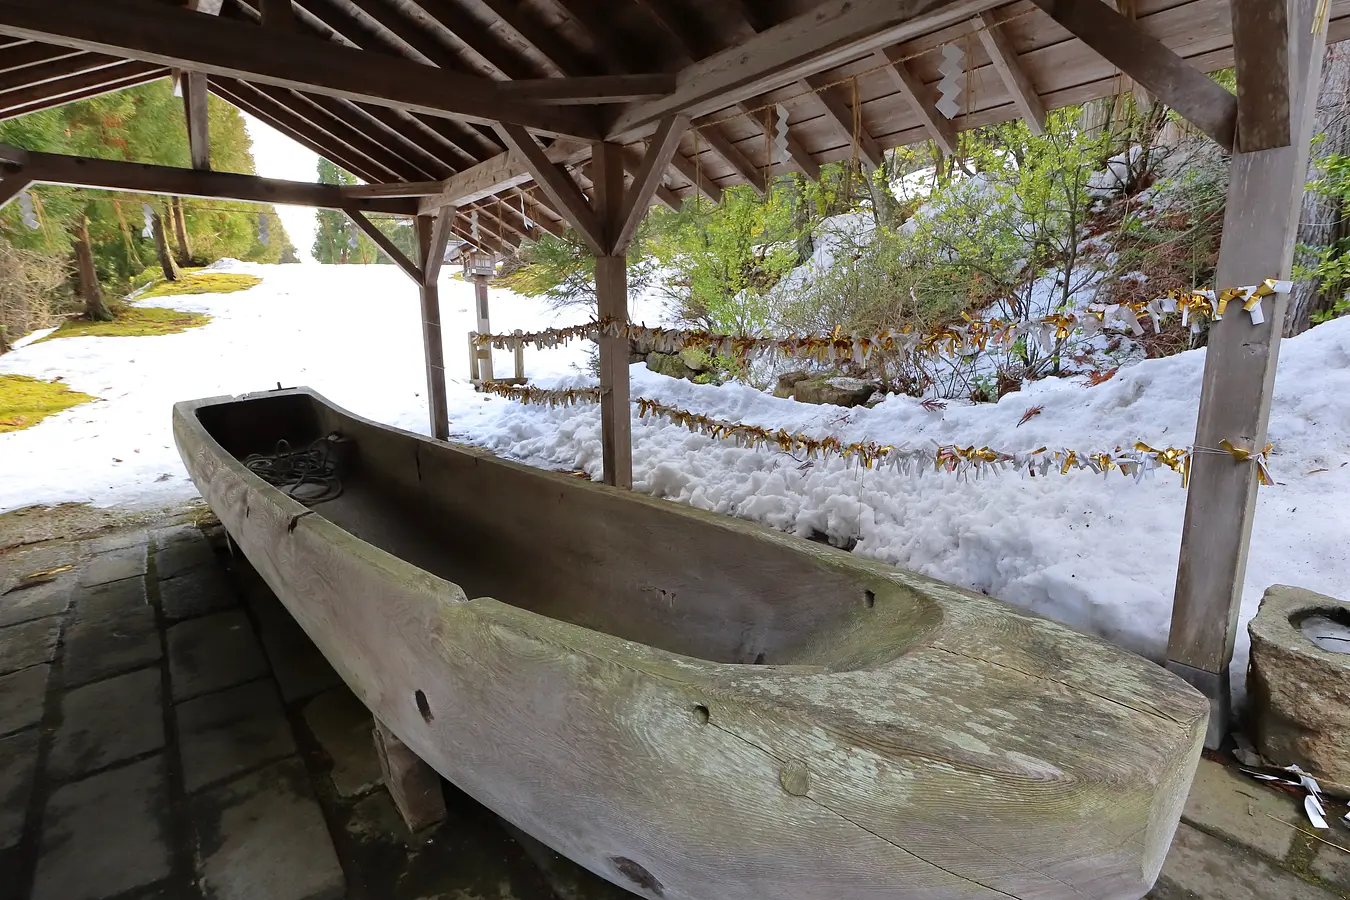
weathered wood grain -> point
(898, 737)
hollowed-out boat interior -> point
(635, 568)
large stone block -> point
(23, 695)
(18, 766)
(1226, 802)
(108, 721)
(36, 602)
(28, 643)
(1299, 691)
(181, 549)
(230, 731)
(109, 602)
(263, 835)
(213, 652)
(195, 593)
(298, 666)
(106, 834)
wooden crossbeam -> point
(938, 126)
(98, 81)
(432, 236)
(12, 156)
(140, 178)
(830, 34)
(691, 173)
(387, 247)
(393, 189)
(505, 170)
(841, 114)
(56, 69)
(645, 182)
(1124, 44)
(31, 54)
(1009, 68)
(1261, 58)
(632, 163)
(195, 93)
(60, 93)
(753, 175)
(11, 186)
(591, 89)
(500, 218)
(556, 184)
(478, 39)
(278, 15)
(184, 39)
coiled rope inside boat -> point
(310, 476)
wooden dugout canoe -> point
(695, 707)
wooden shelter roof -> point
(585, 69)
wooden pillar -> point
(1260, 223)
(432, 234)
(414, 786)
(519, 357)
(480, 291)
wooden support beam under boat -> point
(196, 90)
(1123, 43)
(1009, 67)
(142, 178)
(1260, 224)
(387, 247)
(1261, 60)
(181, 38)
(432, 235)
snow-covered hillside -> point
(1096, 552)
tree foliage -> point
(337, 240)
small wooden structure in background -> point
(537, 115)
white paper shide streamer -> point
(149, 230)
(953, 66)
(27, 211)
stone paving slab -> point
(181, 549)
(228, 732)
(213, 652)
(300, 669)
(342, 725)
(36, 602)
(263, 835)
(108, 721)
(1201, 867)
(18, 766)
(1226, 802)
(98, 648)
(195, 593)
(106, 834)
(22, 697)
(109, 602)
(129, 562)
(118, 541)
(28, 643)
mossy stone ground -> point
(140, 321)
(25, 401)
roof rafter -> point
(387, 247)
(938, 126)
(846, 119)
(177, 37)
(546, 43)
(60, 93)
(478, 39)
(1009, 68)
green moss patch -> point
(199, 282)
(25, 401)
(132, 321)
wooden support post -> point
(414, 786)
(1260, 223)
(195, 108)
(520, 357)
(616, 437)
(480, 292)
(473, 357)
(432, 234)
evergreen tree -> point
(338, 240)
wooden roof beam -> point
(195, 94)
(499, 220)
(590, 89)
(12, 184)
(646, 181)
(177, 37)
(940, 128)
(1124, 44)
(278, 15)
(104, 78)
(60, 93)
(699, 179)
(722, 146)
(1009, 68)
(561, 55)
(831, 34)
(350, 126)
(11, 156)
(32, 54)
(479, 40)
(392, 189)
(140, 178)
(1261, 60)
(502, 171)
(56, 69)
(387, 247)
(632, 163)
(842, 115)
(557, 185)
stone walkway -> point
(167, 731)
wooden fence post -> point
(520, 356)
(1260, 223)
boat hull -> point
(926, 742)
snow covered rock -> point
(824, 389)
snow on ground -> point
(1097, 553)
